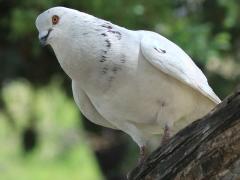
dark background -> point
(42, 134)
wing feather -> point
(172, 60)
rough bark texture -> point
(209, 148)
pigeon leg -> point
(142, 157)
(143, 154)
(166, 135)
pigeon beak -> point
(43, 37)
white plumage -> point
(135, 81)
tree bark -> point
(209, 148)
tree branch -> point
(208, 148)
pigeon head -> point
(64, 30)
(53, 24)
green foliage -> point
(18, 98)
(22, 22)
(62, 152)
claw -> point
(143, 155)
(166, 135)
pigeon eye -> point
(55, 19)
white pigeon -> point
(135, 81)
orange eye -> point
(55, 19)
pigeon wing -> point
(172, 60)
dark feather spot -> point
(108, 43)
(104, 34)
(117, 33)
(103, 59)
(160, 50)
(161, 103)
(163, 51)
(115, 69)
(104, 70)
(107, 26)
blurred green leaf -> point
(222, 41)
(22, 22)
(62, 153)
